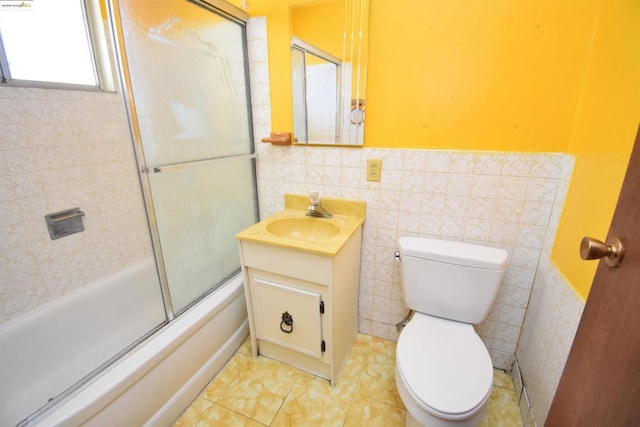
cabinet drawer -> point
(272, 301)
(287, 262)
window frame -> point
(99, 54)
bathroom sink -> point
(290, 228)
(308, 229)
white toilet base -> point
(438, 422)
(425, 419)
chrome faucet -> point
(315, 209)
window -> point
(57, 43)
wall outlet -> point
(374, 169)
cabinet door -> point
(276, 305)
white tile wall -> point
(552, 319)
(61, 149)
(548, 332)
(498, 199)
(259, 77)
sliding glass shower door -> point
(190, 110)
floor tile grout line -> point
(231, 382)
(283, 402)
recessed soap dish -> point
(64, 223)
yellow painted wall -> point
(467, 74)
(486, 75)
(279, 34)
(603, 136)
(320, 24)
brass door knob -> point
(612, 253)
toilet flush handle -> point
(397, 256)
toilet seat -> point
(445, 366)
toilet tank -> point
(452, 280)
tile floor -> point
(265, 392)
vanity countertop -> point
(348, 215)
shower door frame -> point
(228, 11)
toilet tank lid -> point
(458, 253)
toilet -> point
(443, 372)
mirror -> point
(315, 77)
(329, 40)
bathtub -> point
(150, 385)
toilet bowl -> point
(444, 373)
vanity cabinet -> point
(303, 305)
